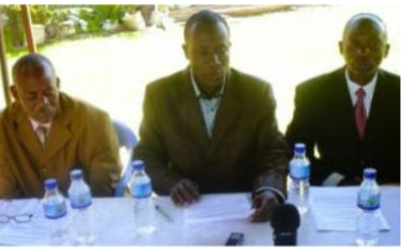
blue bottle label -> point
(141, 190)
(367, 201)
(300, 172)
(81, 200)
(55, 211)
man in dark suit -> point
(210, 128)
(352, 115)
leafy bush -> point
(40, 14)
(104, 12)
(13, 29)
(53, 15)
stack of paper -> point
(336, 210)
(212, 208)
(31, 233)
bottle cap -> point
(370, 173)
(300, 148)
(76, 174)
(51, 184)
(137, 165)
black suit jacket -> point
(324, 118)
(246, 147)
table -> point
(114, 224)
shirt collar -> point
(368, 88)
(198, 92)
(36, 124)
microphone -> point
(285, 220)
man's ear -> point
(340, 44)
(387, 48)
(185, 50)
(57, 82)
(14, 92)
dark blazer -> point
(324, 118)
(245, 144)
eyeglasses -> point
(19, 218)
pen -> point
(163, 213)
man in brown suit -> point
(212, 129)
(46, 133)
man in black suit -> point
(212, 129)
(352, 115)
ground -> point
(284, 48)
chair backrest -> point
(128, 140)
(125, 135)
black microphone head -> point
(285, 218)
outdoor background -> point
(284, 48)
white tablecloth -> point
(114, 225)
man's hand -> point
(185, 192)
(264, 204)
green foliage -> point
(40, 14)
(104, 12)
(13, 29)
(53, 15)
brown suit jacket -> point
(81, 136)
(246, 149)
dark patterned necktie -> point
(360, 112)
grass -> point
(283, 48)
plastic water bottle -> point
(141, 190)
(80, 197)
(55, 210)
(299, 171)
(368, 203)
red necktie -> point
(360, 112)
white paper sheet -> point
(34, 232)
(212, 208)
(336, 210)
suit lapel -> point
(26, 134)
(190, 111)
(228, 111)
(59, 132)
(377, 106)
(343, 103)
(58, 136)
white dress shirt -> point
(36, 125)
(209, 106)
(368, 88)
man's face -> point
(207, 49)
(36, 89)
(363, 47)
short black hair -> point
(205, 17)
(29, 61)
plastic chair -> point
(128, 140)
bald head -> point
(36, 88)
(32, 65)
(364, 45)
(366, 19)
